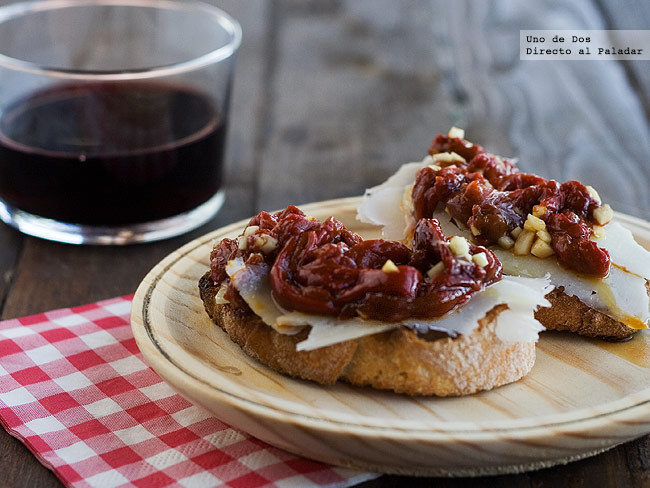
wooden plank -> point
(355, 94)
(335, 95)
(20, 468)
(52, 275)
(634, 14)
(250, 96)
(508, 481)
(637, 457)
(10, 248)
(565, 120)
(607, 469)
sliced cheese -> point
(254, 286)
(620, 294)
(625, 252)
(381, 204)
(523, 295)
(625, 295)
(326, 331)
(383, 208)
(518, 324)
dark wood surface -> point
(331, 96)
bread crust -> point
(397, 360)
(569, 313)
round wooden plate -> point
(582, 397)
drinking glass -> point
(113, 115)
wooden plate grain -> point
(582, 397)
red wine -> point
(111, 154)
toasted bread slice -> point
(398, 360)
(570, 314)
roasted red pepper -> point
(323, 268)
(490, 195)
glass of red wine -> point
(113, 116)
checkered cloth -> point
(75, 390)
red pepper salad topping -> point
(323, 268)
(501, 205)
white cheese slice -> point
(326, 331)
(381, 204)
(384, 209)
(622, 294)
(523, 295)
(625, 295)
(254, 286)
(624, 250)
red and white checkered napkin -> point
(75, 390)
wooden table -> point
(330, 97)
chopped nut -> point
(480, 259)
(407, 201)
(593, 194)
(534, 223)
(599, 231)
(428, 159)
(506, 242)
(515, 232)
(269, 244)
(389, 267)
(541, 249)
(459, 246)
(474, 230)
(539, 211)
(435, 270)
(524, 242)
(448, 158)
(219, 298)
(242, 243)
(603, 214)
(251, 229)
(456, 132)
(434, 167)
(544, 235)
